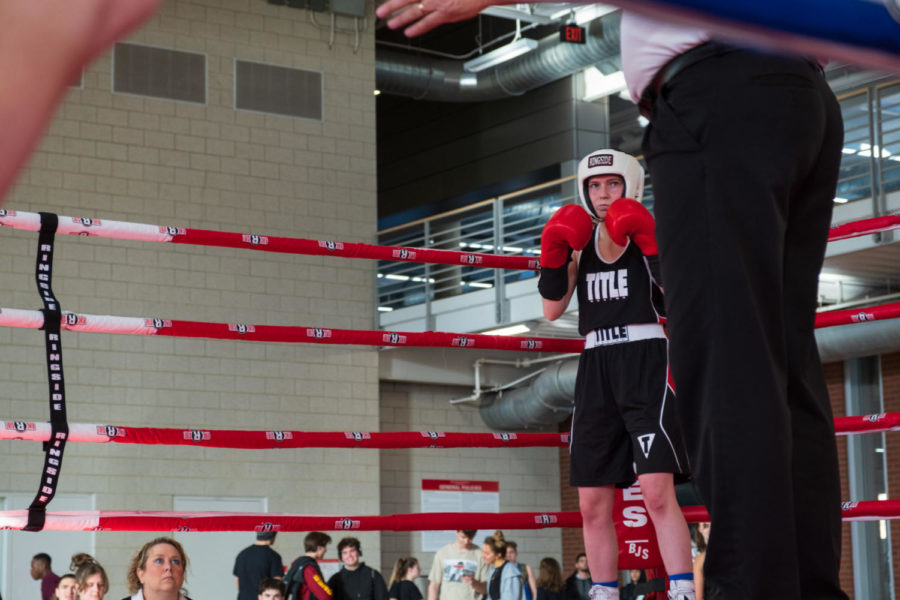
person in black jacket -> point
(578, 584)
(356, 581)
(630, 589)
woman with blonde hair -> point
(91, 582)
(157, 571)
(504, 582)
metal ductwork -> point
(860, 339)
(550, 397)
(547, 400)
(443, 80)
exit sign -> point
(572, 34)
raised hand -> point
(422, 16)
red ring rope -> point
(858, 315)
(124, 230)
(84, 226)
(10, 317)
(34, 319)
(258, 440)
(864, 227)
(867, 510)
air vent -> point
(279, 90)
(160, 73)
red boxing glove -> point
(627, 218)
(569, 228)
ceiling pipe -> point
(859, 339)
(443, 80)
(550, 397)
(548, 400)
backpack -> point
(293, 579)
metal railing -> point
(870, 168)
(511, 224)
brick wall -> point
(132, 158)
(890, 374)
(890, 381)
(528, 477)
(572, 539)
(834, 379)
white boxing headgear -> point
(610, 162)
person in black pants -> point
(744, 150)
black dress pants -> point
(744, 151)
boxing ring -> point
(58, 431)
(862, 32)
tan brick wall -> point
(132, 158)
(528, 477)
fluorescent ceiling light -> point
(545, 13)
(517, 14)
(589, 12)
(840, 200)
(385, 309)
(597, 85)
(511, 330)
(500, 55)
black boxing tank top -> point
(612, 294)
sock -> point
(682, 582)
(610, 584)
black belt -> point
(675, 66)
(687, 59)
